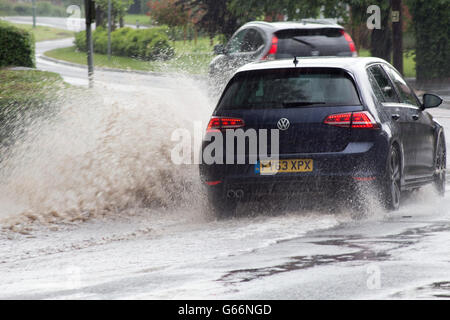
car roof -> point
(347, 63)
(303, 24)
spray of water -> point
(103, 152)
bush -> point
(100, 38)
(16, 46)
(119, 41)
(80, 41)
(146, 44)
(159, 47)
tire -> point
(391, 186)
(440, 168)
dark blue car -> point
(340, 124)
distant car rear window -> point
(312, 42)
(289, 88)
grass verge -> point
(18, 86)
(189, 58)
(42, 33)
(143, 19)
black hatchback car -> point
(341, 123)
(279, 40)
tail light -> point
(273, 49)
(351, 44)
(223, 123)
(356, 120)
(213, 183)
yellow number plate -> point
(280, 166)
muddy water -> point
(105, 151)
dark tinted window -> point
(289, 88)
(384, 84)
(310, 42)
(376, 88)
(406, 94)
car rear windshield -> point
(312, 42)
(289, 88)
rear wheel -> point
(440, 170)
(391, 186)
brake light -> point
(213, 183)
(339, 120)
(223, 123)
(356, 120)
(351, 44)
(363, 120)
(273, 49)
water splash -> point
(104, 152)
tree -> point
(119, 9)
(380, 39)
(216, 18)
(275, 10)
(431, 20)
(173, 14)
(138, 6)
(168, 12)
(397, 36)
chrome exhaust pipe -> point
(231, 194)
(240, 194)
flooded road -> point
(92, 208)
(158, 254)
(113, 247)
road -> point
(78, 76)
(92, 208)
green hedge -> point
(431, 20)
(145, 44)
(16, 46)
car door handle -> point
(415, 117)
(395, 117)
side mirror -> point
(219, 49)
(431, 101)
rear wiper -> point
(301, 103)
(304, 42)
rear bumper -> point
(249, 189)
(360, 162)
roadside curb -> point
(147, 73)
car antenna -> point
(295, 61)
